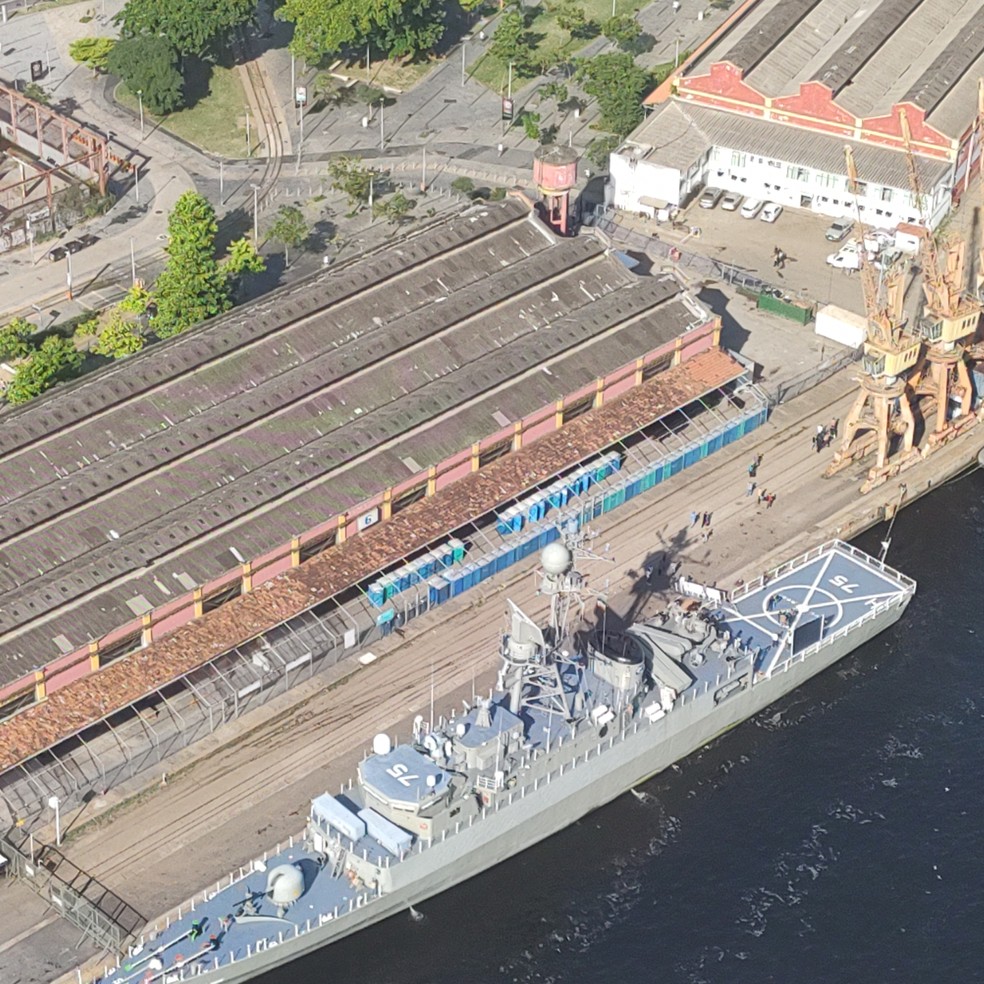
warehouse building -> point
(766, 107)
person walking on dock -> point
(749, 490)
(694, 516)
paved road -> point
(460, 125)
(252, 786)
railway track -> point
(273, 161)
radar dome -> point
(555, 558)
(285, 884)
(381, 745)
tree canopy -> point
(193, 27)
(395, 208)
(191, 286)
(289, 228)
(15, 339)
(118, 336)
(149, 65)
(92, 52)
(399, 28)
(619, 84)
(56, 359)
(351, 178)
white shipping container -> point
(840, 325)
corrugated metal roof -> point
(90, 699)
(777, 141)
(873, 56)
(240, 446)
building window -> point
(797, 173)
(886, 194)
(862, 188)
(737, 160)
(775, 163)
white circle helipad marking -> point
(818, 598)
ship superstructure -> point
(580, 714)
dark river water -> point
(838, 836)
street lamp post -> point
(68, 279)
(256, 216)
(54, 804)
(382, 134)
(140, 102)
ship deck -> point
(822, 593)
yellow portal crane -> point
(881, 410)
(950, 316)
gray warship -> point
(576, 719)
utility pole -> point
(300, 142)
(256, 216)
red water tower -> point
(555, 174)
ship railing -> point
(757, 583)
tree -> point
(92, 52)
(37, 92)
(400, 29)
(191, 287)
(463, 186)
(412, 28)
(511, 43)
(289, 228)
(395, 208)
(56, 359)
(15, 339)
(621, 30)
(619, 85)
(554, 90)
(572, 18)
(192, 27)
(118, 337)
(350, 178)
(149, 65)
(136, 299)
(531, 125)
(243, 257)
(600, 149)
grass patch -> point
(494, 74)
(386, 73)
(217, 120)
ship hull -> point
(595, 776)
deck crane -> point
(950, 317)
(882, 408)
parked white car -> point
(770, 212)
(848, 257)
(751, 208)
